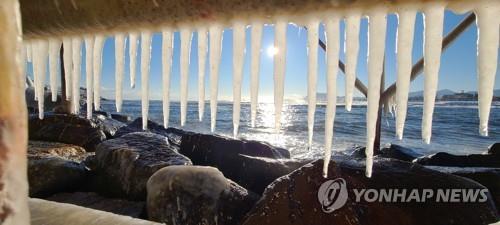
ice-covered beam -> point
(13, 123)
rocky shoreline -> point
(176, 177)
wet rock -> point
(108, 126)
(95, 201)
(69, 129)
(48, 149)
(121, 117)
(136, 126)
(293, 199)
(359, 152)
(127, 162)
(392, 151)
(447, 159)
(49, 175)
(196, 195)
(98, 112)
(494, 149)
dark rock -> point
(103, 113)
(392, 151)
(358, 152)
(293, 199)
(108, 126)
(48, 149)
(447, 159)
(69, 129)
(95, 201)
(494, 149)
(127, 162)
(196, 195)
(122, 118)
(136, 126)
(49, 175)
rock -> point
(136, 126)
(489, 177)
(293, 199)
(358, 152)
(98, 112)
(109, 126)
(127, 162)
(122, 118)
(48, 149)
(69, 129)
(95, 201)
(49, 175)
(392, 151)
(447, 159)
(196, 195)
(494, 149)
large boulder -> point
(192, 195)
(95, 201)
(127, 162)
(494, 149)
(48, 149)
(306, 197)
(136, 126)
(49, 175)
(392, 151)
(69, 129)
(447, 159)
(121, 117)
(108, 125)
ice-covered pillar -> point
(13, 123)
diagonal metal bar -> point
(419, 66)
(359, 85)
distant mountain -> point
(439, 94)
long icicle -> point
(433, 20)
(312, 81)
(89, 81)
(97, 62)
(215, 32)
(332, 57)
(54, 46)
(406, 19)
(133, 41)
(68, 66)
(145, 60)
(280, 28)
(202, 60)
(186, 35)
(40, 49)
(487, 58)
(256, 41)
(119, 69)
(351, 49)
(29, 51)
(166, 61)
(239, 43)
(77, 63)
(376, 45)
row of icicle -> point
(39, 50)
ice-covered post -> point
(13, 123)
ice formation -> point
(89, 77)
(54, 46)
(77, 63)
(279, 68)
(239, 43)
(256, 42)
(332, 58)
(145, 60)
(215, 32)
(96, 63)
(40, 49)
(351, 48)
(186, 35)
(133, 41)
(166, 61)
(406, 23)
(312, 81)
(202, 60)
(68, 66)
(119, 69)
(376, 45)
(433, 20)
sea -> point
(455, 126)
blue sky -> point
(458, 65)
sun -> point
(271, 51)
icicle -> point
(376, 45)
(433, 20)
(255, 69)
(487, 58)
(68, 66)
(77, 63)
(312, 81)
(239, 43)
(279, 69)
(133, 40)
(29, 51)
(89, 53)
(406, 19)
(54, 46)
(167, 45)
(185, 51)
(145, 60)
(351, 55)
(40, 49)
(119, 67)
(215, 32)
(96, 63)
(202, 59)
(332, 57)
